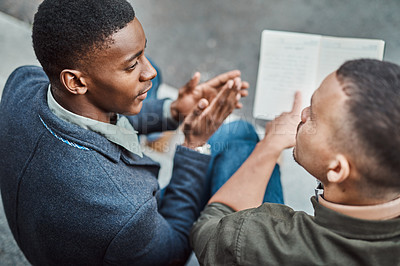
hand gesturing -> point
(192, 92)
(206, 117)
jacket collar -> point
(354, 227)
(74, 133)
(122, 133)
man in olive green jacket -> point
(348, 138)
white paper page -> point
(335, 51)
(288, 62)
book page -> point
(288, 62)
(335, 51)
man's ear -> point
(338, 169)
(73, 81)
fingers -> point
(235, 94)
(192, 83)
(238, 83)
(238, 86)
(238, 96)
(296, 109)
(221, 79)
(196, 112)
(211, 88)
(201, 105)
(227, 99)
(245, 85)
(207, 117)
(282, 130)
(238, 92)
(244, 93)
(195, 80)
(243, 89)
(219, 104)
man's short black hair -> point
(374, 119)
(66, 33)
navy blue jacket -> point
(73, 197)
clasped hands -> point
(203, 107)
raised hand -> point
(192, 92)
(207, 117)
(282, 130)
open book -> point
(297, 61)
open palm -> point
(192, 92)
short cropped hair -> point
(373, 109)
(66, 33)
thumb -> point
(201, 105)
(192, 83)
(196, 112)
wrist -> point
(204, 148)
(193, 144)
(174, 111)
(270, 148)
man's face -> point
(119, 77)
(315, 140)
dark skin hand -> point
(207, 117)
(192, 92)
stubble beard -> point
(294, 156)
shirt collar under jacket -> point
(383, 211)
(122, 133)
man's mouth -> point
(144, 91)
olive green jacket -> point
(274, 234)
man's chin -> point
(134, 111)
(295, 156)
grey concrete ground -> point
(15, 49)
(212, 37)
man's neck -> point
(352, 195)
(79, 105)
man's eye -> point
(133, 66)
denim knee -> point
(233, 131)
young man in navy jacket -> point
(76, 187)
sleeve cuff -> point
(192, 153)
(167, 112)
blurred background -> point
(214, 36)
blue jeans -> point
(231, 145)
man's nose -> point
(148, 72)
(305, 114)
